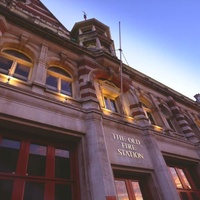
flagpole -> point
(120, 50)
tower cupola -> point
(93, 35)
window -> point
(15, 64)
(35, 171)
(109, 96)
(171, 122)
(128, 190)
(184, 183)
(59, 81)
(132, 185)
(110, 104)
(148, 114)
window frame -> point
(20, 176)
(111, 92)
(129, 188)
(143, 177)
(59, 78)
(111, 103)
(188, 191)
(15, 61)
(148, 114)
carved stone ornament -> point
(25, 1)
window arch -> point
(15, 64)
(59, 80)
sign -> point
(128, 146)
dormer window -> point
(59, 80)
(15, 64)
(148, 114)
(110, 96)
(110, 104)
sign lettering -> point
(128, 146)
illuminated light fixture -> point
(8, 80)
(107, 111)
(9, 77)
(158, 128)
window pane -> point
(34, 191)
(9, 151)
(170, 124)
(62, 164)
(175, 177)
(137, 191)
(106, 103)
(149, 115)
(5, 189)
(121, 190)
(18, 55)
(37, 160)
(62, 192)
(59, 71)
(186, 183)
(195, 196)
(113, 105)
(184, 196)
(22, 72)
(66, 87)
(52, 82)
(5, 65)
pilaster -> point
(163, 176)
(181, 120)
(98, 164)
(40, 72)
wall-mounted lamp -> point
(9, 77)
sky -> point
(160, 38)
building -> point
(74, 128)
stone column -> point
(40, 71)
(165, 183)
(87, 89)
(137, 110)
(3, 25)
(100, 176)
(181, 120)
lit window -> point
(15, 64)
(110, 93)
(110, 104)
(59, 81)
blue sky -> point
(160, 38)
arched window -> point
(59, 80)
(15, 64)
(148, 113)
(110, 95)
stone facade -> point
(129, 134)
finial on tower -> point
(84, 15)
